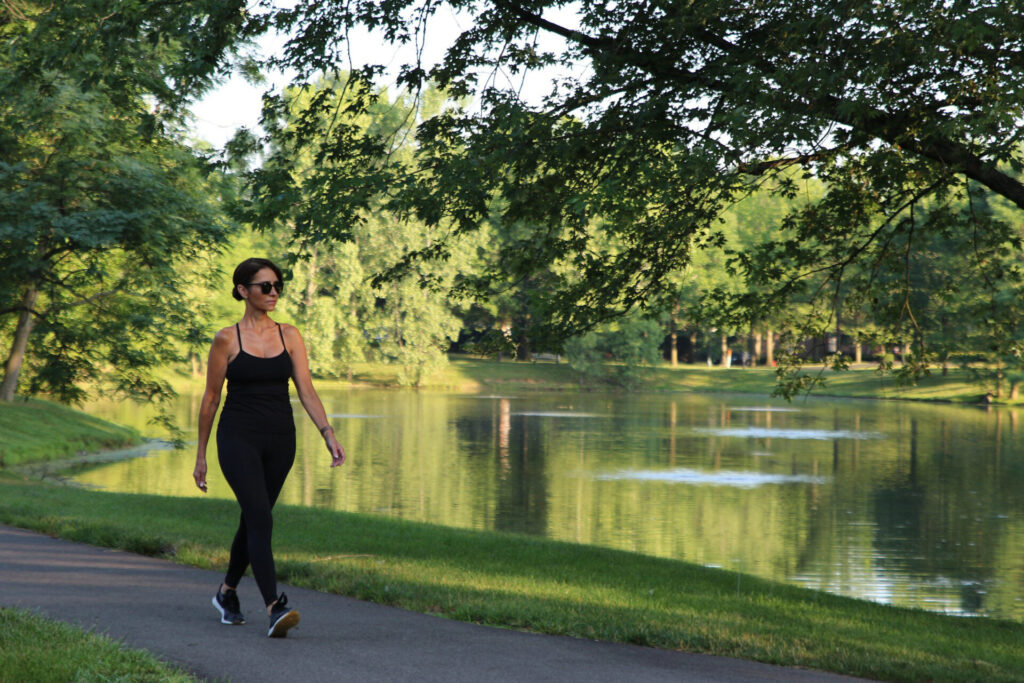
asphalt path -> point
(165, 608)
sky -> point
(236, 103)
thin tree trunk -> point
(311, 282)
(769, 342)
(673, 350)
(726, 351)
(858, 352)
(12, 369)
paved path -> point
(165, 608)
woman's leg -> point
(242, 464)
(278, 458)
(256, 474)
(239, 559)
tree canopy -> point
(622, 173)
(101, 202)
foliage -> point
(101, 201)
(632, 342)
(676, 111)
(311, 131)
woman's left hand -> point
(335, 449)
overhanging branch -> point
(878, 124)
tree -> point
(310, 132)
(682, 109)
(100, 200)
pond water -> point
(908, 504)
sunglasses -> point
(265, 287)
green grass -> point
(35, 649)
(528, 583)
(468, 374)
(36, 430)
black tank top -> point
(257, 399)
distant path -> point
(165, 608)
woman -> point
(256, 433)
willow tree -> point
(671, 111)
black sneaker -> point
(282, 618)
(227, 605)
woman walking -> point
(256, 433)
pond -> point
(908, 504)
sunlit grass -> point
(36, 649)
(545, 586)
(40, 430)
(470, 374)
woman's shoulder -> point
(225, 335)
(290, 330)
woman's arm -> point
(216, 368)
(307, 394)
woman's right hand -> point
(199, 473)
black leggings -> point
(255, 466)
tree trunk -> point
(769, 343)
(523, 350)
(858, 352)
(726, 351)
(12, 369)
(311, 281)
(673, 350)
(1014, 389)
(756, 359)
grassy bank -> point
(35, 649)
(545, 586)
(40, 430)
(467, 374)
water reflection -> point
(916, 505)
(743, 480)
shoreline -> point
(470, 375)
(527, 583)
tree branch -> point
(878, 124)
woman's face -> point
(253, 293)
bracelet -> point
(324, 429)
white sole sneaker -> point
(224, 614)
(279, 628)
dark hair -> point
(247, 269)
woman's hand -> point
(199, 473)
(335, 449)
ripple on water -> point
(765, 409)
(767, 433)
(743, 480)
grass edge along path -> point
(534, 584)
(37, 430)
(33, 648)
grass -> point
(37, 430)
(468, 374)
(35, 649)
(545, 586)
(472, 374)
